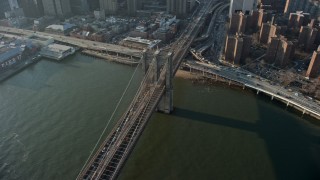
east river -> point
(52, 114)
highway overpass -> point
(85, 44)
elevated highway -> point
(208, 36)
(216, 10)
(86, 44)
(261, 85)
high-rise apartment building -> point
(180, 7)
(246, 6)
(309, 6)
(264, 16)
(5, 6)
(13, 4)
(307, 37)
(264, 33)
(237, 48)
(272, 50)
(133, 6)
(233, 49)
(298, 19)
(279, 51)
(247, 41)
(254, 19)
(59, 8)
(79, 6)
(274, 32)
(109, 6)
(32, 8)
(93, 5)
(284, 53)
(238, 23)
(314, 66)
(277, 5)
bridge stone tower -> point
(144, 61)
(166, 103)
(156, 66)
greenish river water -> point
(52, 114)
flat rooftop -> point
(4, 49)
(6, 53)
(58, 47)
(141, 41)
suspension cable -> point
(112, 115)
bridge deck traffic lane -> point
(143, 105)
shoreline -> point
(198, 78)
(187, 75)
(16, 69)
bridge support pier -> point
(258, 91)
(272, 97)
(166, 103)
(288, 103)
(244, 86)
(144, 61)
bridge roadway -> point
(212, 22)
(261, 85)
(86, 44)
(217, 10)
(111, 155)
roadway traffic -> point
(248, 78)
(86, 44)
(108, 160)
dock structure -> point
(57, 51)
(112, 58)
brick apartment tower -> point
(314, 66)
(254, 19)
(264, 33)
(279, 52)
(238, 23)
(310, 6)
(237, 48)
(307, 37)
(284, 53)
(274, 32)
(298, 19)
(57, 7)
(247, 41)
(277, 5)
(264, 16)
(109, 6)
(272, 50)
